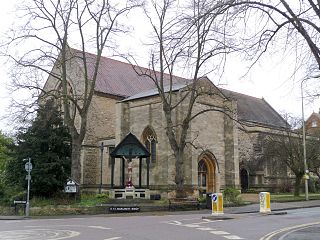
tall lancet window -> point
(150, 140)
(202, 174)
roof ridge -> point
(130, 64)
(223, 89)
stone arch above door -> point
(207, 172)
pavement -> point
(276, 209)
(275, 206)
(234, 212)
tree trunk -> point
(75, 161)
(179, 178)
(297, 185)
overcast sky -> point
(271, 78)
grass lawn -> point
(288, 197)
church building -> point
(222, 148)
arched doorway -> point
(207, 173)
(244, 178)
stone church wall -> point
(100, 128)
(264, 174)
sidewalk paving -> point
(231, 212)
(275, 206)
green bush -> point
(251, 190)
(102, 196)
(202, 199)
(232, 195)
(317, 185)
(312, 184)
(92, 199)
(10, 194)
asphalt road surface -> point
(303, 224)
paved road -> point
(181, 226)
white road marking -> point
(174, 223)
(37, 234)
(113, 238)
(206, 229)
(64, 225)
(211, 221)
(201, 222)
(232, 237)
(198, 226)
(219, 232)
(99, 227)
(188, 219)
(192, 225)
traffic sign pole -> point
(28, 167)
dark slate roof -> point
(154, 91)
(130, 146)
(120, 79)
(255, 110)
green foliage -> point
(91, 199)
(202, 199)
(232, 195)
(46, 142)
(252, 190)
(290, 198)
(6, 152)
(10, 194)
(102, 196)
(6, 146)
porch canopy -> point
(130, 147)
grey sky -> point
(270, 78)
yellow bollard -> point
(264, 198)
(217, 203)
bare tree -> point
(286, 149)
(193, 39)
(41, 48)
(295, 24)
(313, 153)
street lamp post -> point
(101, 161)
(306, 171)
(28, 168)
(304, 144)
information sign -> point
(214, 197)
(28, 166)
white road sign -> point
(28, 166)
(214, 197)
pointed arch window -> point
(150, 140)
(202, 174)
